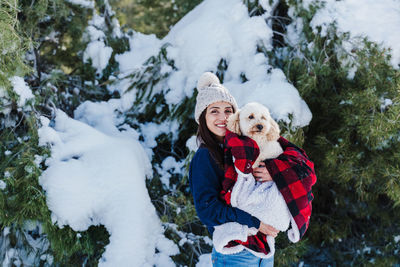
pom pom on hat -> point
(210, 90)
(206, 80)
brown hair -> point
(209, 140)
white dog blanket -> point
(265, 202)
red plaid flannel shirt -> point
(292, 172)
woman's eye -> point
(228, 111)
(251, 117)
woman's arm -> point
(205, 187)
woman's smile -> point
(216, 116)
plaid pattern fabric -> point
(294, 176)
(245, 151)
(292, 172)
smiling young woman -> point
(214, 104)
(213, 107)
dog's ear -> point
(273, 133)
(232, 123)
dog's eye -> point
(251, 117)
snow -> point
(99, 54)
(97, 50)
(294, 30)
(191, 143)
(204, 261)
(170, 163)
(216, 30)
(151, 131)
(98, 21)
(385, 103)
(169, 166)
(101, 116)
(97, 171)
(31, 235)
(5, 101)
(142, 47)
(377, 20)
(82, 3)
(94, 34)
(3, 185)
(95, 177)
(22, 89)
(38, 160)
(277, 94)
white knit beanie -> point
(210, 90)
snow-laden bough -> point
(95, 178)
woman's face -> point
(216, 116)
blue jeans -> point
(243, 258)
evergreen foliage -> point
(41, 44)
(175, 203)
(53, 36)
(354, 141)
(12, 44)
(354, 137)
(151, 17)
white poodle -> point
(254, 121)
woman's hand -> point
(261, 173)
(268, 230)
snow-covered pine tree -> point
(158, 99)
(163, 114)
(352, 88)
(20, 200)
(42, 42)
(53, 44)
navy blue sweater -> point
(205, 179)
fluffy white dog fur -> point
(254, 120)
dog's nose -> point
(259, 127)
